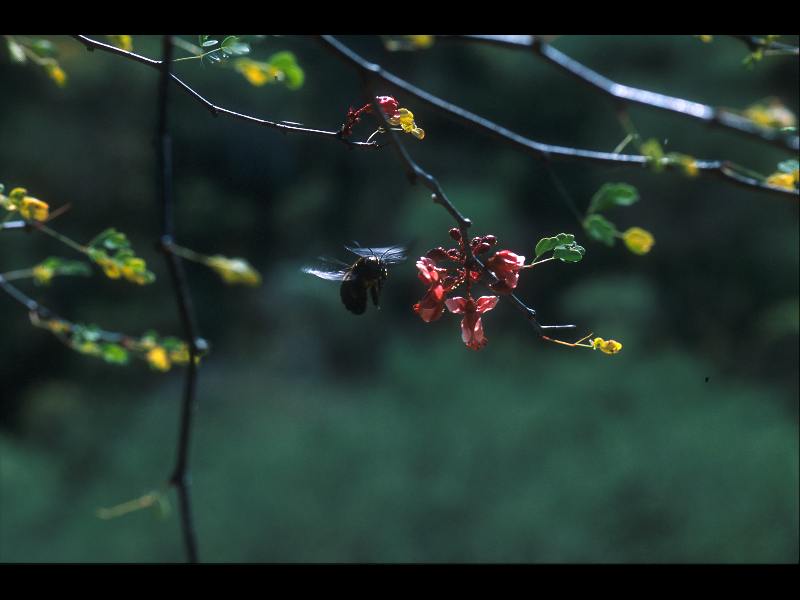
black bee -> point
(367, 273)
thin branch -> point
(416, 173)
(722, 169)
(753, 43)
(217, 110)
(630, 95)
(180, 477)
(23, 298)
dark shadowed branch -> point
(710, 115)
(722, 169)
(180, 477)
(416, 173)
(216, 110)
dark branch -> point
(753, 43)
(416, 173)
(180, 477)
(722, 169)
(216, 110)
(631, 95)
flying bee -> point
(366, 274)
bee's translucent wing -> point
(392, 254)
(389, 254)
(330, 269)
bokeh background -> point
(322, 436)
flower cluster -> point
(234, 270)
(30, 209)
(280, 67)
(598, 227)
(598, 343)
(787, 176)
(395, 115)
(44, 272)
(112, 252)
(771, 113)
(504, 267)
(500, 272)
(160, 353)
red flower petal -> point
(486, 303)
(457, 305)
(505, 265)
(432, 304)
(472, 331)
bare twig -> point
(722, 169)
(630, 95)
(416, 173)
(753, 43)
(180, 477)
(216, 110)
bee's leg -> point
(375, 291)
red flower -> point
(428, 271)
(471, 325)
(505, 265)
(431, 306)
(388, 105)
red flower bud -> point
(490, 239)
(437, 254)
(455, 233)
(481, 248)
(454, 255)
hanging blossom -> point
(440, 281)
(500, 272)
(471, 325)
(395, 115)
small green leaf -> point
(162, 507)
(115, 354)
(787, 166)
(613, 194)
(16, 51)
(205, 42)
(569, 253)
(600, 229)
(655, 153)
(545, 245)
(43, 48)
(285, 61)
(232, 46)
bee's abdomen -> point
(354, 295)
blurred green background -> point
(322, 436)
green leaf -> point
(569, 253)
(111, 239)
(600, 229)
(162, 507)
(205, 42)
(787, 166)
(43, 48)
(613, 194)
(285, 61)
(655, 153)
(232, 46)
(115, 354)
(545, 245)
(16, 51)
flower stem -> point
(61, 238)
(189, 254)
